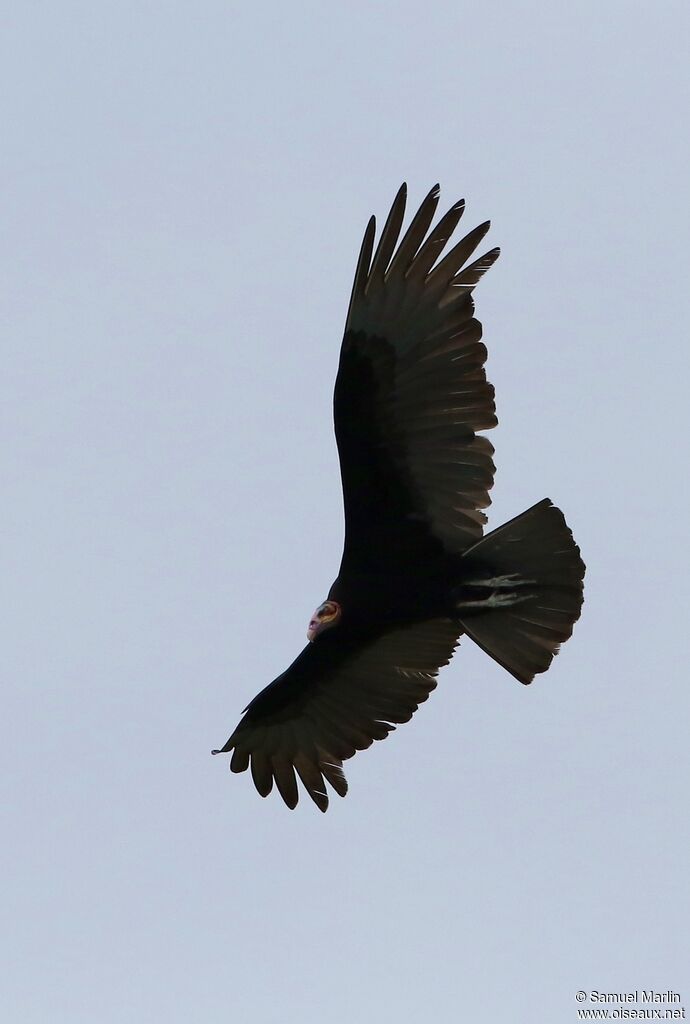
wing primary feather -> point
(240, 760)
(261, 772)
(363, 262)
(471, 275)
(335, 776)
(284, 774)
(414, 235)
(435, 244)
(441, 275)
(389, 237)
(312, 780)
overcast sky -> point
(184, 192)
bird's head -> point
(326, 615)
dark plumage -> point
(416, 571)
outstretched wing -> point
(411, 393)
(335, 699)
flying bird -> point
(417, 572)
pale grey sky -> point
(184, 191)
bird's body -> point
(417, 572)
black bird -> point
(416, 572)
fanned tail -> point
(523, 590)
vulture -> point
(417, 572)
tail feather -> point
(537, 547)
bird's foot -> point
(501, 582)
(496, 599)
